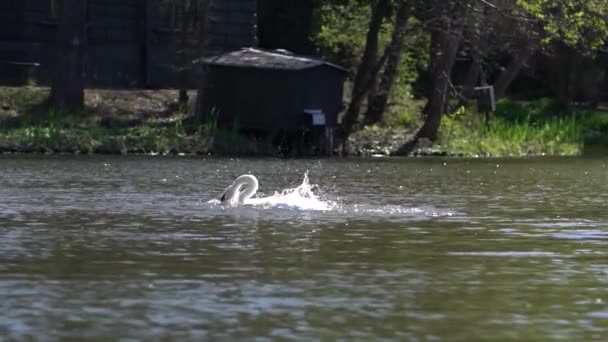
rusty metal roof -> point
(266, 59)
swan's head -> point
(229, 196)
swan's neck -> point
(252, 187)
(240, 196)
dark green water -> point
(110, 248)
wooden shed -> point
(272, 90)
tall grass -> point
(140, 139)
(466, 132)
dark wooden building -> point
(130, 43)
(273, 90)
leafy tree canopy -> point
(582, 24)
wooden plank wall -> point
(119, 51)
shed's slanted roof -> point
(267, 59)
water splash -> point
(310, 197)
(302, 197)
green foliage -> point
(141, 139)
(403, 114)
(593, 123)
(544, 126)
(342, 30)
(578, 23)
(466, 132)
(534, 111)
(341, 36)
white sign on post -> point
(318, 117)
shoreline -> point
(150, 122)
(425, 152)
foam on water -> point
(301, 197)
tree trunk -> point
(472, 78)
(448, 40)
(434, 56)
(377, 105)
(478, 44)
(67, 85)
(513, 69)
(365, 74)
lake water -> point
(111, 248)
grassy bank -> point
(124, 122)
(150, 122)
(114, 122)
(469, 133)
(541, 127)
(134, 140)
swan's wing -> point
(289, 202)
(258, 201)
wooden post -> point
(329, 140)
(486, 102)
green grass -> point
(126, 122)
(593, 123)
(404, 113)
(145, 122)
(140, 139)
(466, 132)
(57, 135)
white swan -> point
(240, 191)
